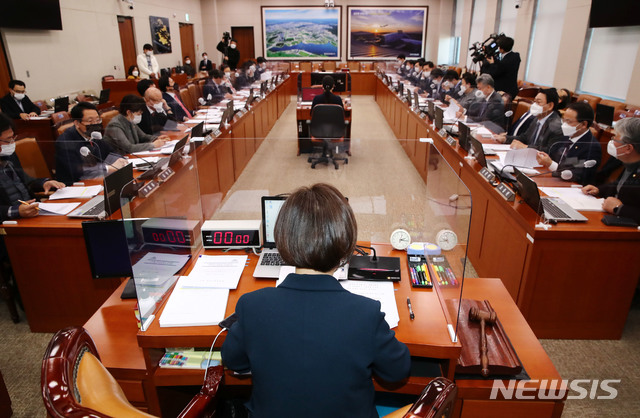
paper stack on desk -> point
(216, 271)
(189, 306)
(76, 192)
(574, 197)
(57, 208)
(380, 291)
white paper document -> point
(139, 161)
(57, 208)
(497, 147)
(382, 292)
(216, 271)
(575, 198)
(450, 113)
(155, 267)
(188, 306)
(525, 157)
(73, 192)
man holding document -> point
(310, 345)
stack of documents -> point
(574, 197)
(76, 192)
(217, 271)
(190, 306)
(380, 291)
(57, 208)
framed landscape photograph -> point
(382, 33)
(301, 33)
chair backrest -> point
(31, 158)
(42, 105)
(329, 66)
(186, 98)
(193, 92)
(354, 65)
(590, 100)
(107, 115)
(436, 400)
(528, 92)
(616, 105)
(107, 77)
(62, 126)
(201, 87)
(305, 66)
(521, 108)
(59, 117)
(327, 122)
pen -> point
(411, 314)
(25, 203)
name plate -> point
(487, 175)
(208, 139)
(423, 115)
(148, 188)
(442, 132)
(166, 174)
(506, 192)
(242, 112)
(451, 141)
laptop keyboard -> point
(96, 210)
(554, 210)
(272, 259)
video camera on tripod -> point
(489, 48)
(226, 37)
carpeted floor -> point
(385, 192)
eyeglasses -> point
(8, 141)
(570, 121)
(91, 122)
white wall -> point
(53, 63)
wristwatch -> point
(616, 210)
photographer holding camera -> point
(229, 49)
(504, 67)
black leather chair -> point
(327, 129)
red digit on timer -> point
(171, 236)
(217, 237)
(228, 237)
(181, 238)
(245, 239)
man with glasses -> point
(80, 151)
(16, 104)
(16, 187)
(577, 157)
(622, 196)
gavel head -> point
(479, 315)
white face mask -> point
(480, 94)
(8, 150)
(611, 149)
(426, 73)
(463, 88)
(263, 65)
(158, 107)
(149, 53)
(535, 109)
(19, 96)
(187, 62)
(135, 73)
(568, 130)
(137, 119)
(205, 57)
(252, 68)
(232, 46)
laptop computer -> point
(270, 261)
(478, 152)
(61, 104)
(464, 133)
(309, 93)
(103, 206)
(104, 96)
(604, 114)
(439, 117)
(553, 209)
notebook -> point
(270, 261)
(102, 206)
(554, 209)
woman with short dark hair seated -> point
(328, 84)
(123, 132)
(312, 346)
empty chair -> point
(329, 66)
(327, 130)
(201, 86)
(107, 114)
(186, 99)
(528, 92)
(42, 105)
(75, 383)
(616, 105)
(589, 99)
(193, 92)
(436, 400)
(305, 66)
(107, 77)
(58, 117)
(354, 66)
(31, 158)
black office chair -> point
(327, 129)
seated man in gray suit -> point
(490, 109)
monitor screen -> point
(604, 114)
(464, 133)
(61, 104)
(478, 152)
(271, 206)
(106, 243)
(30, 14)
(439, 117)
(113, 185)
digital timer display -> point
(167, 237)
(171, 232)
(232, 238)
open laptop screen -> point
(308, 93)
(464, 133)
(478, 152)
(528, 189)
(271, 206)
(113, 184)
(106, 244)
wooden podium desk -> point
(48, 253)
(132, 356)
(571, 281)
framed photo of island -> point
(301, 33)
(383, 33)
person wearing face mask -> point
(205, 65)
(450, 85)
(622, 196)
(86, 132)
(133, 73)
(414, 73)
(226, 79)
(123, 133)
(490, 107)
(188, 68)
(566, 158)
(157, 115)
(400, 60)
(466, 94)
(214, 90)
(261, 68)
(547, 128)
(16, 104)
(434, 88)
(16, 186)
(504, 69)
(245, 77)
(170, 95)
(147, 63)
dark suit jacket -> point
(205, 66)
(521, 124)
(322, 99)
(216, 92)
(71, 166)
(629, 193)
(488, 110)
(33, 185)
(189, 70)
(505, 73)
(241, 81)
(11, 108)
(177, 110)
(550, 133)
(155, 122)
(312, 347)
(571, 156)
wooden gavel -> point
(484, 317)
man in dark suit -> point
(568, 158)
(168, 88)
(205, 64)
(504, 69)
(158, 115)
(16, 104)
(490, 108)
(310, 345)
(545, 131)
(622, 196)
(213, 91)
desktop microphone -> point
(96, 136)
(568, 174)
(508, 115)
(86, 152)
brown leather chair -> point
(193, 92)
(590, 100)
(528, 92)
(305, 66)
(201, 87)
(42, 105)
(186, 98)
(329, 66)
(354, 66)
(107, 115)
(31, 158)
(107, 77)
(634, 109)
(436, 400)
(521, 108)
(62, 126)
(75, 383)
(58, 117)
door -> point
(127, 42)
(244, 36)
(5, 72)
(187, 43)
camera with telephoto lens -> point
(488, 49)
(226, 37)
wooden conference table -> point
(48, 253)
(132, 356)
(575, 280)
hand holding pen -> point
(28, 209)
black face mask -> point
(96, 127)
